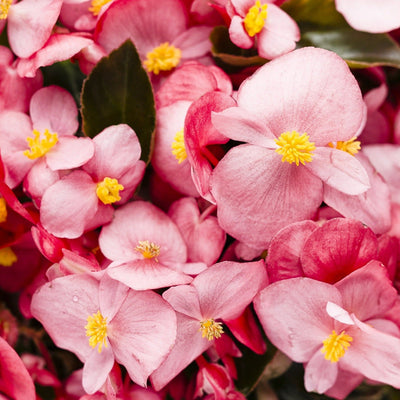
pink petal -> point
(295, 327)
(238, 34)
(345, 383)
(324, 100)
(194, 43)
(70, 152)
(54, 108)
(371, 279)
(283, 260)
(227, 288)
(143, 333)
(69, 204)
(146, 274)
(369, 15)
(30, 23)
(257, 194)
(339, 170)
(337, 248)
(185, 300)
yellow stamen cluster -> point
(7, 257)
(4, 6)
(255, 18)
(178, 147)
(295, 148)
(95, 6)
(3, 210)
(96, 330)
(108, 190)
(211, 329)
(147, 249)
(162, 58)
(335, 346)
(39, 147)
(351, 146)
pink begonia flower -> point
(173, 100)
(222, 291)
(146, 248)
(83, 200)
(15, 92)
(15, 381)
(29, 23)
(289, 114)
(47, 136)
(375, 16)
(336, 330)
(262, 23)
(203, 236)
(106, 321)
(59, 47)
(36, 368)
(159, 30)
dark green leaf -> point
(118, 91)
(359, 49)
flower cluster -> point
(199, 198)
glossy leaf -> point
(118, 91)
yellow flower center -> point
(95, 6)
(4, 6)
(178, 147)
(335, 346)
(7, 257)
(147, 249)
(96, 330)
(255, 18)
(295, 148)
(3, 210)
(162, 58)
(108, 190)
(39, 147)
(211, 329)
(351, 146)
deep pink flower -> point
(106, 321)
(291, 113)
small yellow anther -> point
(178, 147)
(108, 190)
(7, 257)
(335, 346)
(3, 210)
(95, 6)
(39, 147)
(255, 18)
(4, 6)
(96, 330)
(148, 249)
(211, 329)
(295, 148)
(351, 146)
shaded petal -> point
(339, 170)
(194, 42)
(238, 34)
(185, 300)
(297, 328)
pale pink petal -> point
(96, 369)
(337, 248)
(370, 15)
(345, 383)
(54, 108)
(257, 194)
(70, 152)
(319, 375)
(296, 327)
(59, 47)
(143, 333)
(111, 296)
(238, 34)
(287, 100)
(185, 300)
(146, 22)
(69, 204)
(188, 346)
(227, 288)
(371, 207)
(242, 125)
(243, 6)
(146, 274)
(279, 35)
(30, 23)
(339, 170)
(371, 279)
(283, 259)
(194, 42)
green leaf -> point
(119, 91)
(359, 49)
